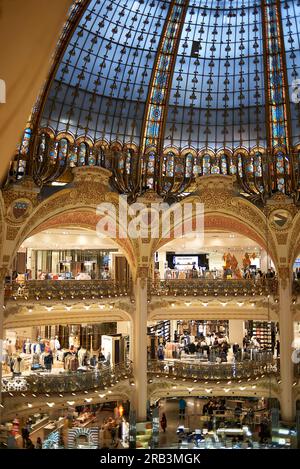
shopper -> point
(29, 444)
(163, 422)
(113, 432)
(25, 435)
(39, 444)
(182, 406)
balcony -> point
(66, 290)
(51, 290)
(251, 369)
(44, 383)
(214, 287)
(73, 382)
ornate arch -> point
(78, 207)
(224, 209)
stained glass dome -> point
(210, 81)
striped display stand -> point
(91, 433)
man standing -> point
(182, 406)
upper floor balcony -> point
(214, 287)
(59, 290)
(67, 382)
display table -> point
(84, 420)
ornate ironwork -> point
(212, 371)
(67, 290)
(44, 383)
(205, 287)
(159, 116)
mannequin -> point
(82, 353)
(71, 340)
(27, 347)
(52, 343)
(56, 343)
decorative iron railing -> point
(67, 290)
(98, 289)
(68, 382)
(213, 371)
(214, 287)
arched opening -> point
(210, 292)
(73, 291)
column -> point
(2, 277)
(162, 263)
(173, 328)
(236, 331)
(286, 330)
(265, 261)
(140, 347)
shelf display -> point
(161, 330)
(264, 332)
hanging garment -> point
(57, 344)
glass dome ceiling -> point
(163, 91)
(217, 89)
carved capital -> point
(216, 182)
(142, 274)
(284, 275)
(91, 175)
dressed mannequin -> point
(56, 343)
(52, 343)
(38, 348)
(168, 274)
(82, 353)
(27, 347)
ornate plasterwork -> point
(294, 244)
(142, 272)
(284, 274)
(164, 387)
(224, 208)
(282, 238)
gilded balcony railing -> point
(250, 369)
(214, 287)
(67, 290)
(68, 382)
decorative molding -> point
(12, 232)
(284, 275)
(282, 238)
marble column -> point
(2, 277)
(286, 331)
(140, 348)
(236, 331)
(162, 264)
